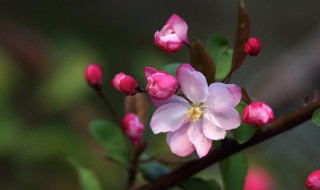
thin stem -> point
(187, 44)
(278, 126)
(233, 69)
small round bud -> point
(313, 180)
(133, 128)
(257, 113)
(258, 179)
(94, 75)
(253, 46)
(161, 85)
(124, 84)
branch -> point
(278, 126)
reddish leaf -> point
(137, 104)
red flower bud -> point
(258, 179)
(94, 75)
(124, 84)
(257, 113)
(253, 46)
(313, 180)
(161, 85)
(133, 128)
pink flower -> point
(94, 75)
(124, 84)
(313, 180)
(133, 128)
(161, 85)
(173, 35)
(253, 46)
(258, 179)
(257, 113)
(192, 125)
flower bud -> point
(313, 180)
(257, 113)
(94, 75)
(253, 46)
(161, 85)
(258, 179)
(173, 35)
(133, 128)
(124, 84)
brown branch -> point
(278, 126)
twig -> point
(278, 126)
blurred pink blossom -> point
(133, 128)
(258, 179)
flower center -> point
(195, 112)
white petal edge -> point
(179, 142)
(219, 97)
(228, 119)
(210, 129)
(172, 99)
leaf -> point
(242, 36)
(218, 48)
(171, 68)
(110, 136)
(153, 170)
(316, 117)
(201, 60)
(87, 178)
(233, 171)
(196, 183)
(245, 132)
(137, 104)
(214, 185)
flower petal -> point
(179, 26)
(210, 129)
(179, 142)
(168, 117)
(201, 143)
(193, 84)
(228, 119)
(172, 99)
(235, 92)
(149, 71)
(219, 98)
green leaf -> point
(110, 136)
(171, 68)
(245, 132)
(202, 61)
(153, 170)
(87, 178)
(218, 48)
(233, 171)
(316, 117)
(196, 183)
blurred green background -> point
(46, 105)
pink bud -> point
(257, 113)
(258, 179)
(253, 46)
(94, 75)
(173, 35)
(161, 85)
(124, 84)
(313, 180)
(133, 128)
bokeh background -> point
(46, 105)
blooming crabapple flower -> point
(133, 128)
(253, 46)
(161, 85)
(192, 123)
(257, 113)
(313, 180)
(258, 179)
(173, 35)
(94, 75)
(124, 84)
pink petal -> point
(179, 26)
(186, 66)
(219, 98)
(210, 129)
(179, 141)
(235, 92)
(172, 99)
(193, 84)
(149, 71)
(228, 119)
(169, 117)
(201, 143)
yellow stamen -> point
(195, 113)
